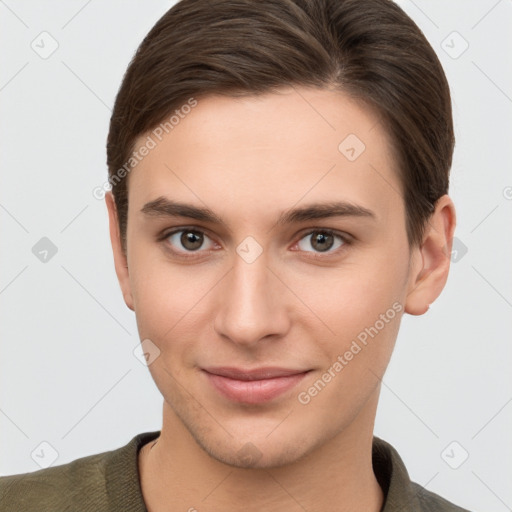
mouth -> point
(253, 386)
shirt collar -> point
(392, 475)
(124, 489)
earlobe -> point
(429, 272)
(120, 260)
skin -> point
(248, 160)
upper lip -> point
(254, 373)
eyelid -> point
(315, 229)
(345, 238)
(167, 233)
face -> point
(273, 302)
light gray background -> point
(68, 373)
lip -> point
(253, 386)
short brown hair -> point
(370, 50)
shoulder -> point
(105, 481)
(55, 488)
(431, 502)
(402, 493)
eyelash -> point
(347, 241)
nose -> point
(251, 304)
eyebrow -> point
(164, 207)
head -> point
(258, 118)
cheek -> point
(168, 299)
(363, 311)
(361, 302)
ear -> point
(120, 259)
(431, 262)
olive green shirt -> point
(109, 481)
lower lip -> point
(254, 391)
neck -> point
(177, 474)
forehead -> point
(265, 153)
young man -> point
(279, 175)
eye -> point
(322, 241)
(187, 240)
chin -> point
(258, 453)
